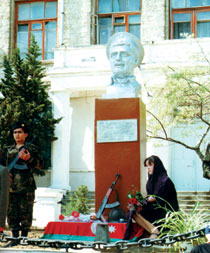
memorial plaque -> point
(117, 130)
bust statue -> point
(125, 52)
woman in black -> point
(162, 197)
(162, 189)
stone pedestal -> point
(120, 147)
(46, 207)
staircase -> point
(188, 199)
(91, 197)
(91, 201)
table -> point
(85, 231)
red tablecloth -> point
(85, 231)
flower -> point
(136, 200)
(61, 217)
(75, 214)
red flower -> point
(133, 201)
(75, 214)
(61, 217)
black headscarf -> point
(158, 176)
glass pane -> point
(105, 6)
(181, 30)
(105, 30)
(203, 29)
(119, 5)
(23, 11)
(37, 10)
(205, 15)
(206, 2)
(118, 20)
(135, 30)
(178, 4)
(105, 21)
(122, 4)
(182, 17)
(37, 26)
(193, 3)
(51, 25)
(134, 5)
(119, 28)
(51, 10)
(38, 38)
(22, 39)
(133, 19)
(50, 39)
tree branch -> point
(190, 80)
(196, 148)
(163, 128)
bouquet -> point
(136, 200)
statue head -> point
(125, 52)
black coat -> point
(203, 248)
(153, 211)
(160, 185)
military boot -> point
(15, 233)
(24, 232)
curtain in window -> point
(105, 29)
(22, 39)
(181, 30)
(50, 39)
(203, 29)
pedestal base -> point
(123, 157)
(46, 207)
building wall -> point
(154, 22)
(77, 22)
(5, 24)
(81, 70)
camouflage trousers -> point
(20, 210)
(4, 194)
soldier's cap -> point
(22, 125)
(207, 230)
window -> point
(118, 16)
(190, 18)
(37, 18)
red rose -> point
(133, 201)
(75, 214)
(61, 217)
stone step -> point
(187, 201)
(91, 201)
(192, 202)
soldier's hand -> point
(24, 155)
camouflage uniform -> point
(206, 163)
(4, 194)
(22, 188)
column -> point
(61, 147)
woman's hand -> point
(24, 154)
(151, 199)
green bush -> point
(78, 201)
(182, 222)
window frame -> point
(113, 16)
(193, 11)
(29, 22)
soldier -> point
(22, 183)
(205, 247)
(206, 163)
(4, 195)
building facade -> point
(72, 35)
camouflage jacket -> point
(206, 163)
(22, 180)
